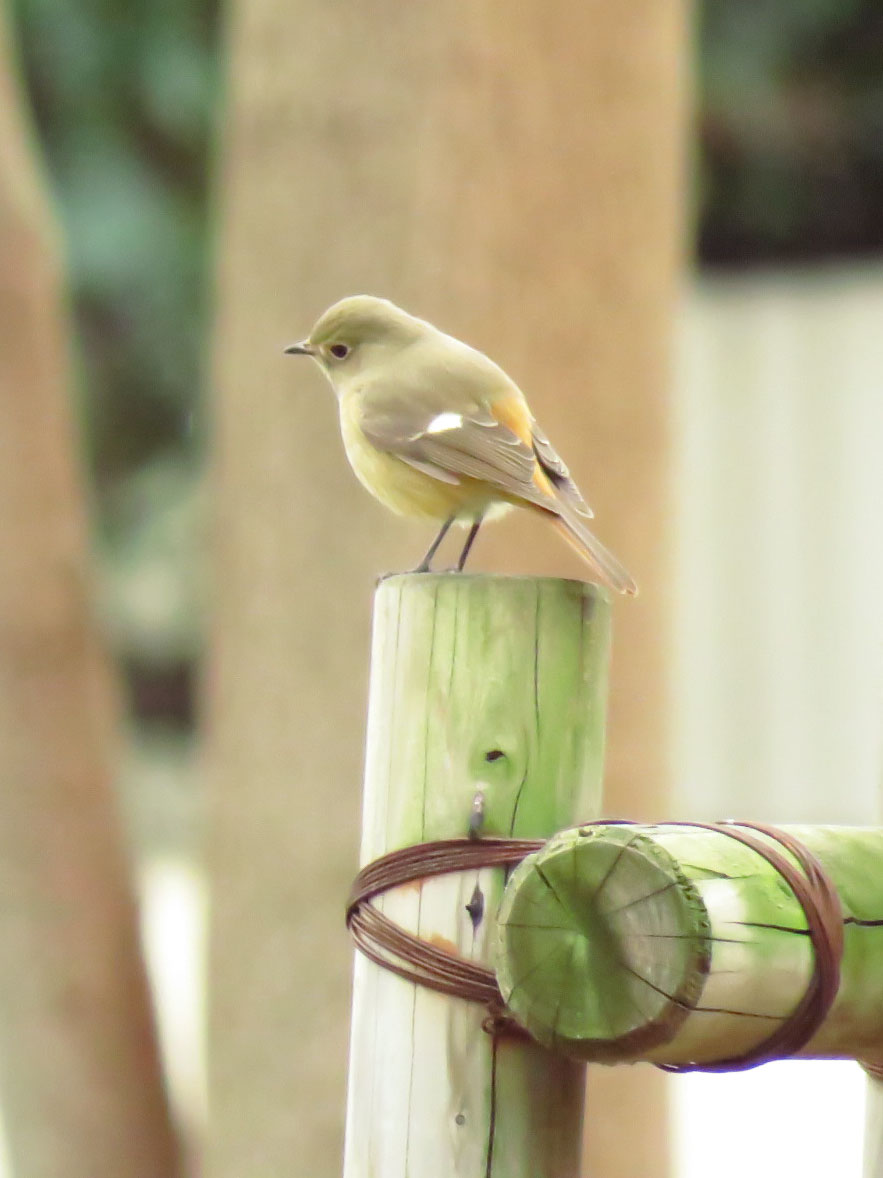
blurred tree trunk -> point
(82, 1092)
(515, 174)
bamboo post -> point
(676, 944)
(491, 688)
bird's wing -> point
(477, 442)
(496, 441)
(558, 474)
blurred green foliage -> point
(790, 129)
(124, 95)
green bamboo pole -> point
(489, 686)
(676, 944)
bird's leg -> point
(470, 540)
(423, 566)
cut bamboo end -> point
(603, 943)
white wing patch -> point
(444, 422)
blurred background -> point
(156, 128)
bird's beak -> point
(301, 349)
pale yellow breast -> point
(401, 487)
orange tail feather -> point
(610, 571)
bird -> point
(433, 428)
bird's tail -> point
(610, 571)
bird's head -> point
(358, 332)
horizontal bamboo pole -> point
(679, 945)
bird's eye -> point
(339, 351)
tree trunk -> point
(81, 1085)
(514, 175)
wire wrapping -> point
(412, 958)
